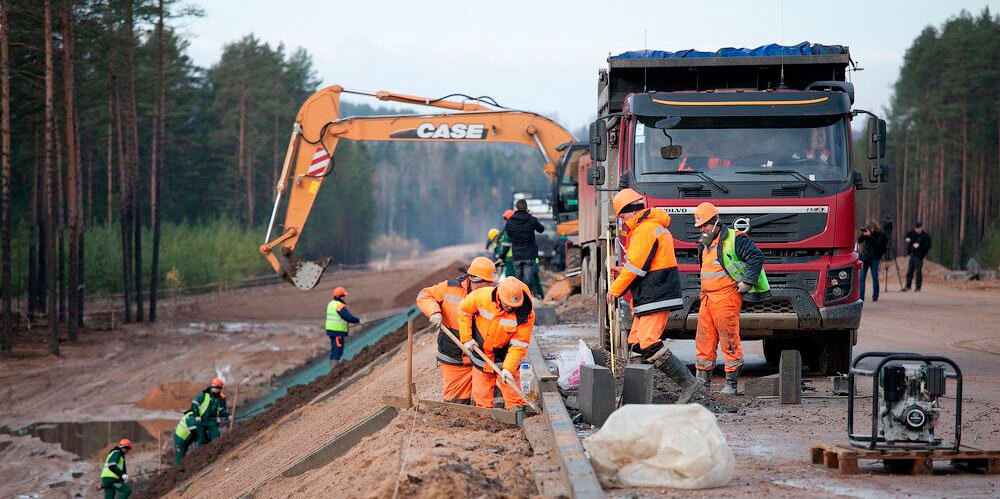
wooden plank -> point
(575, 464)
(515, 418)
(912, 461)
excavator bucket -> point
(302, 274)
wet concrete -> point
(89, 439)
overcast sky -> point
(542, 55)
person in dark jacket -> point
(872, 245)
(209, 408)
(918, 244)
(521, 229)
(337, 320)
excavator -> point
(309, 159)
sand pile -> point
(578, 308)
(170, 396)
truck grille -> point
(764, 227)
(777, 280)
(773, 306)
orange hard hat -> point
(483, 268)
(704, 213)
(340, 291)
(623, 199)
(217, 383)
(125, 443)
(512, 292)
(507, 214)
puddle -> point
(89, 439)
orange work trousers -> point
(482, 389)
(719, 326)
(457, 382)
(648, 329)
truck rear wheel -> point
(833, 354)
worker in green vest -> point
(185, 434)
(503, 252)
(209, 408)
(337, 320)
(114, 475)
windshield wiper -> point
(700, 174)
(793, 173)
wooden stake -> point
(236, 399)
(409, 364)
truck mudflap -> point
(788, 309)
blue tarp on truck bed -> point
(804, 48)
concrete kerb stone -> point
(764, 386)
(637, 386)
(575, 464)
(790, 377)
(597, 394)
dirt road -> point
(132, 381)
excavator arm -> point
(310, 159)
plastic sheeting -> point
(679, 446)
(804, 48)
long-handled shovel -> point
(517, 389)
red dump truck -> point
(766, 135)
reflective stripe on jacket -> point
(650, 267)
(203, 406)
(740, 261)
(503, 336)
(114, 464)
(334, 322)
(444, 298)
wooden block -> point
(830, 459)
(848, 464)
(816, 455)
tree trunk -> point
(50, 208)
(133, 160)
(7, 343)
(72, 202)
(157, 160)
(90, 182)
(960, 241)
(240, 150)
(111, 175)
(34, 245)
(123, 217)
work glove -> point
(469, 345)
(743, 287)
(125, 477)
(197, 419)
(435, 319)
(506, 377)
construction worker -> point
(650, 273)
(185, 434)
(499, 321)
(440, 304)
(503, 252)
(114, 474)
(492, 241)
(732, 270)
(337, 319)
(209, 408)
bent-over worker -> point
(185, 434)
(337, 320)
(732, 270)
(440, 304)
(499, 320)
(114, 474)
(209, 408)
(650, 273)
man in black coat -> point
(521, 229)
(918, 244)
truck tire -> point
(773, 347)
(833, 353)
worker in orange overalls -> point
(649, 272)
(498, 319)
(440, 304)
(732, 269)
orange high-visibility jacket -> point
(650, 267)
(444, 297)
(503, 336)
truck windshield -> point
(813, 146)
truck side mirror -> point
(876, 138)
(599, 141)
(595, 175)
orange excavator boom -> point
(309, 160)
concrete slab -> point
(638, 384)
(597, 394)
(764, 386)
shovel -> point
(517, 389)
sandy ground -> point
(245, 336)
(772, 441)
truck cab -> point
(768, 140)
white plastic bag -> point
(679, 446)
(569, 372)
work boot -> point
(730, 386)
(675, 369)
(333, 364)
(705, 376)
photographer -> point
(872, 244)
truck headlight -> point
(840, 283)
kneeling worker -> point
(185, 434)
(209, 408)
(650, 273)
(440, 304)
(114, 474)
(732, 271)
(498, 319)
